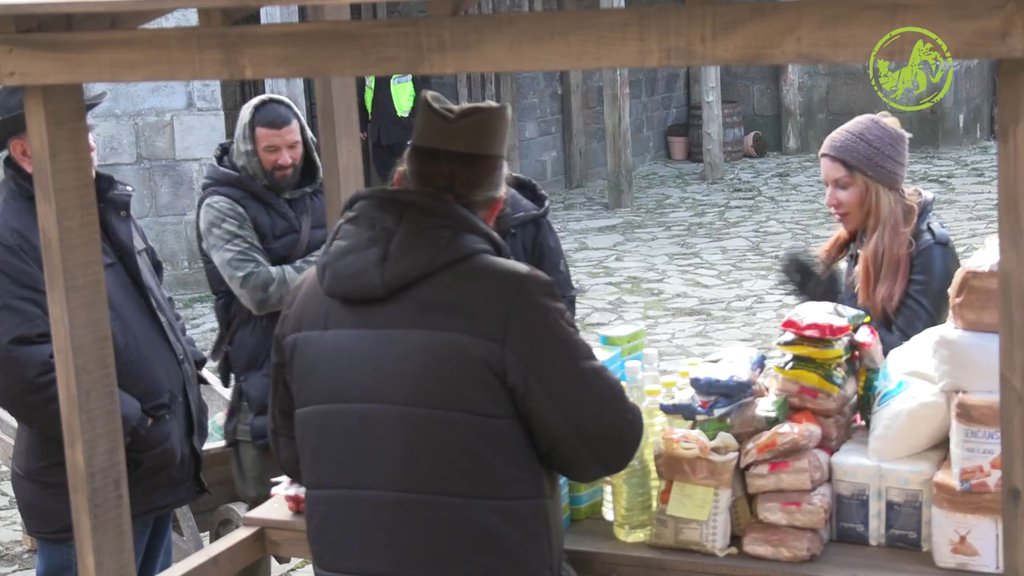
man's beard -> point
(281, 182)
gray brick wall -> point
(157, 136)
(832, 94)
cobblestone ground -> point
(695, 263)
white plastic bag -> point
(966, 361)
(910, 414)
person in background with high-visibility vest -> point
(385, 117)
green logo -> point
(924, 78)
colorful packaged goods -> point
(803, 470)
(781, 440)
(810, 509)
(585, 499)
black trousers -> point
(385, 156)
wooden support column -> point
(338, 121)
(76, 295)
(573, 126)
(711, 110)
(1011, 307)
(292, 88)
(507, 93)
(789, 97)
(617, 135)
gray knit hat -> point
(868, 145)
(477, 128)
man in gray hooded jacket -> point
(261, 223)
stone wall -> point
(832, 94)
(157, 136)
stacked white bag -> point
(967, 526)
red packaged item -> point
(293, 492)
(823, 320)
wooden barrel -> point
(732, 131)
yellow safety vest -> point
(403, 94)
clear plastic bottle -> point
(631, 488)
(650, 360)
(654, 424)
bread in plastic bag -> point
(804, 470)
(811, 509)
(823, 320)
(781, 440)
(689, 456)
(782, 543)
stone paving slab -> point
(696, 263)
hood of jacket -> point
(237, 164)
(524, 201)
(390, 239)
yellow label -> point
(691, 501)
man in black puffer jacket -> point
(426, 389)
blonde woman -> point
(899, 260)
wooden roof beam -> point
(661, 36)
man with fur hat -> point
(427, 390)
(260, 224)
(157, 366)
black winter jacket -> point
(426, 389)
(524, 226)
(164, 460)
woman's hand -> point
(809, 277)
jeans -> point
(153, 549)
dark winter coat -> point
(164, 459)
(427, 390)
(531, 238)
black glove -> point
(810, 278)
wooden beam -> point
(338, 120)
(573, 124)
(791, 118)
(228, 555)
(1010, 126)
(40, 7)
(76, 296)
(292, 88)
(508, 93)
(652, 37)
(711, 123)
(618, 137)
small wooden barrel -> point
(732, 131)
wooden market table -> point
(271, 529)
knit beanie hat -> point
(868, 145)
(477, 128)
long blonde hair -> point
(886, 238)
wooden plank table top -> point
(592, 549)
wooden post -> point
(617, 135)
(292, 88)
(338, 120)
(711, 110)
(573, 126)
(507, 93)
(76, 296)
(1011, 308)
(789, 96)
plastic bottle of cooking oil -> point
(631, 488)
(654, 425)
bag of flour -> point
(975, 443)
(967, 527)
(966, 361)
